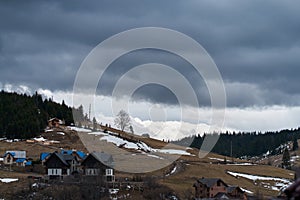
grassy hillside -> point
(181, 180)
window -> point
(110, 178)
(109, 172)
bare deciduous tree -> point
(122, 120)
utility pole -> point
(231, 151)
(90, 112)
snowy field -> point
(138, 146)
(79, 129)
(280, 183)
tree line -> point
(246, 143)
(25, 116)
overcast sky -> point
(255, 45)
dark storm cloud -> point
(255, 44)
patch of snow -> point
(173, 171)
(144, 147)
(266, 154)
(113, 191)
(219, 159)
(138, 145)
(242, 164)
(54, 141)
(40, 139)
(280, 184)
(294, 158)
(48, 130)
(2, 139)
(155, 156)
(248, 191)
(119, 141)
(97, 133)
(60, 133)
(174, 151)
(274, 188)
(79, 129)
(8, 180)
(13, 140)
(1, 159)
(256, 177)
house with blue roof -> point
(44, 156)
(15, 157)
(61, 164)
(79, 154)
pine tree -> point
(94, 124)
(286, 164)
(295, 145)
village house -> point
(15, 157)
(214, 188)
(236, 192)
(99, 164)
(55, 123)
(78, 154)
(44, 156)
(61, 164)
(209, 187)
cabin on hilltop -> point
(55, 122)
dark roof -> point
(231, 188)
(209, 182)
(221, 195)
(102, 157)
(69, 152)
(64, 158)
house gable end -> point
(55, 161)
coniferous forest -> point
(23, 116)
(246, 143)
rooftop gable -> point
(209, 182)
(101, 157)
